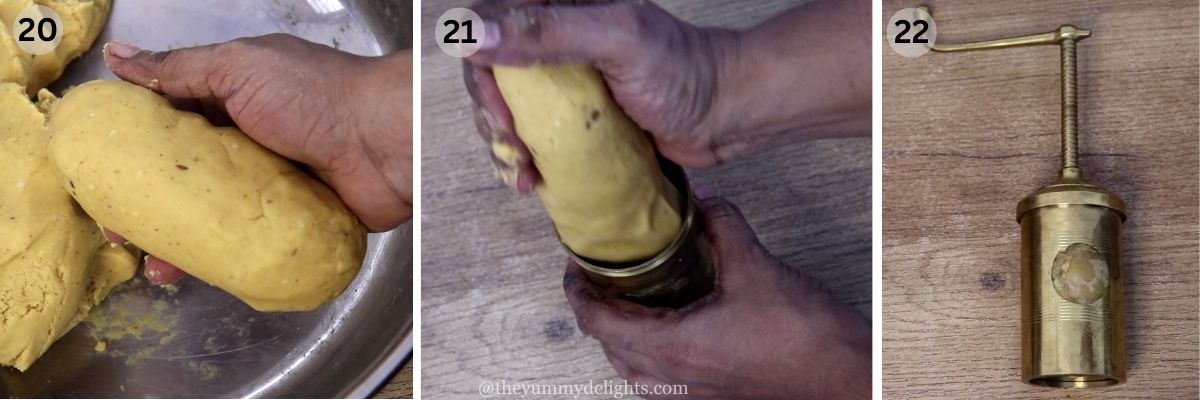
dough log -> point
(601, 182)
(207, 199)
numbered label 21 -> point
(459, 32)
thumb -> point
(593, 34)
(724, 223)
(734, 248)
(190, 73)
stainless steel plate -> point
(194, 340)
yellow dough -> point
(209, 200)
(14, 62)
(82, 22)
(601, 183)
(54, 263)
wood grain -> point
(968, 135)
(401, 385)
(492, 301)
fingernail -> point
(490, 119)
(114, 237)
(491, 35)
(121, 49)
(703, 192)
(160, 272)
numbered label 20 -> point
(37, 29)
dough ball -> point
(54, 262)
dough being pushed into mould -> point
(601, 183)
(207, 199)
(54, 262)
(82, 22)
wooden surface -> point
(968, 135)
(492, 301)
(401, 385)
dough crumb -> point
(506, 153)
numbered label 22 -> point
(911, 32)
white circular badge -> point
(37, 29)
(459, 32)
(911, 32)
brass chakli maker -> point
(1072, 323)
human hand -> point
(706, 95)
(348, 118)
(766, 332)
(661, 70)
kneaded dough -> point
(601, 182)
(82, 21)
(14, 62)
(207, 199)
(54, 262)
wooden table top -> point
(492, 302)
(401, 385)
(968, 135)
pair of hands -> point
(703, 93)
(706, 96)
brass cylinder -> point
(676, 276)
(1072, 324)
